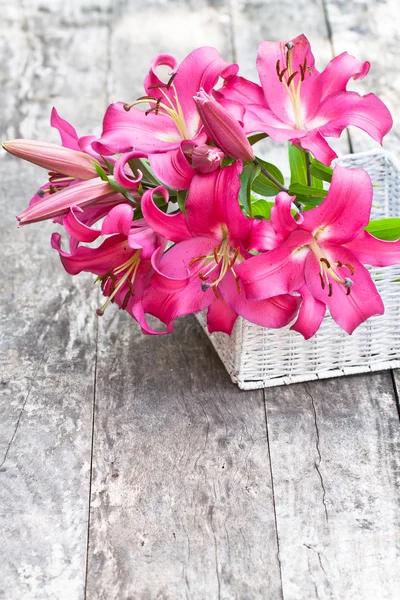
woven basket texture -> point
(256, 357)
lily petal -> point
(310, 316)
(279, 271)
(129, 182)
(173, 269)
(348, 310)
(314, 142)
(172, 168)
(241, 90)
(172, 227)
(124, 130)
(371, 251)
(282, 219)
(213, 202)
(273, 312)
(69, 137)
(335, 77)
(118, 220)
(346, 209)
(113, 252)
(349, 108)
(220, 317)
(78, 230)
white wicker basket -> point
(256, 357)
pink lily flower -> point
(199, 271)
(320, 254)
(122, 262)
(172, 117)
(296, 103)
(222, 128)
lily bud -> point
(222, 128)
(81, 194)
(206, 159)
(54, 158)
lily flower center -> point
(221, 260)
(118, 277)
(171, 108)
(330, 270)
(292, 81)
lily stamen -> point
(131, 266)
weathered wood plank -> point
(181, 495)
(335, 464)
(48, 323)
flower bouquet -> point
(175, 213)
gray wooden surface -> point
(131, 467)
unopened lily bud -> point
(54, 158)
(81, 194)
(222, 128)
(206, 159)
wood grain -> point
(335, 465)
(48, 322)
(181, 497)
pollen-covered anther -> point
(195, 260)
(234, 257)
(322, 281)
(350, 267)
(203, 277)
(239, 287)
(293, 75)
(326, 262)
(330, 292)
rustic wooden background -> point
(131, 467)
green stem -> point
(308, 166)
(271, 177)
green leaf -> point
(321, 171)
(264, 186)
(181, 199)
(115, 186)
(256, 137)
(262, 209)
(249, 173)
(140, 164)
(317, 183)
(385, 229)
(100, 172)
(298, 167)
(308, 196)
(109, 165)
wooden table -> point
(131, 467)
